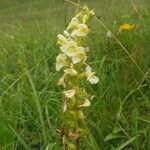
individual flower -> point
(73, 24)
(80, 56)
(60, 61)
(91, 75)
(66, 34)
(69, 72)
(126, 27)
(70, 48)
(69, 93)
(86, 104)
(81, 31)
(61, 81)
(61, 39)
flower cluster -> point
(73, 61)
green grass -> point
(30, 100)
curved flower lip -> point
(74, 136)
(86, 104)
(81, 31)
(62, 81)
(60, 61)
(70, 71)
(126, 26)
(69, 93)
(66, 34)
(91, 75)
(69, 48)
(93, 79)
(61, 39)
(81, 56)
(77, 53)
(73, 24)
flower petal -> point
(79, 57)
(93, 79)
(74, 22)
(62, 81)
(61, 39)
(86, 104)
(69, 93)
(65, 106)
(60, 61)
(88, 70)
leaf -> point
(112, 136)
(126, 143)
(116, 130)
(115, 134)
(6, 137)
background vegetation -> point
(30, 100)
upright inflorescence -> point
(73, 61)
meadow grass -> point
(30, 100)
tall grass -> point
(30, 101)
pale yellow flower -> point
(70, 71)
(81, 114)
(85, 18)
(69, 48)
(61, 39)
(81, 31)
(88, 16)
(92, 13)
(62, 81)
(69, 93)
(60, 61)
(67, 72)
(73, 24)
(126, 26)
(64, 107)
(86, 104)
(91, 75)
(66, 34)
(81, 56)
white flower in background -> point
(69, 93)
(60, 61)
(81, 31)
(108, 34)
(91, 75)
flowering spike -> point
(73, 59)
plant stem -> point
(78, 143)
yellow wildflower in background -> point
(126, 27)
